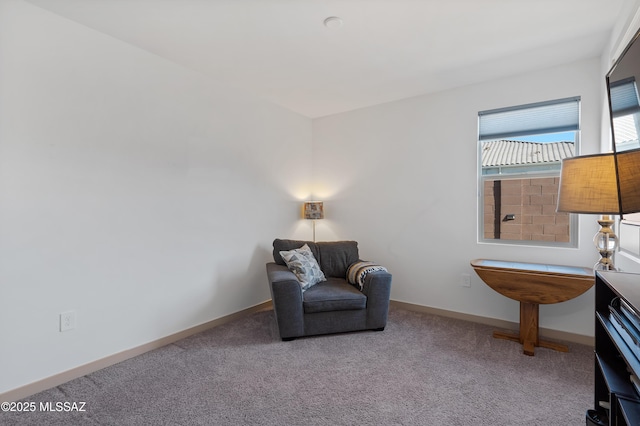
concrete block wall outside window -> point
(533, 204)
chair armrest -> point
(280, 273)
(377, 285)
(286, 296)
(283, 283)
(377, 288)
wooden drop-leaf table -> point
(533, 284)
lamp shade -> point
(588, 185)
(629, 180)
(313, 210)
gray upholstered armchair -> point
(330, 306)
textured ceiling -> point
(386, 50)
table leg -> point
(529, 315)
(528, 336)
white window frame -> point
(512, 131)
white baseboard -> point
(546, 333)
(83, 370)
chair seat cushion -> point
(335, 294)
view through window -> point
(520, 152)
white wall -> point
(145, 197)
(402, 179)
(132, 191)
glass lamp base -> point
(606, 241)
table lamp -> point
(313, 210)
(588, 184)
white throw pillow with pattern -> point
(304, 265)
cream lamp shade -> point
(588, 185)
(602, 183)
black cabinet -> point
(617, 353)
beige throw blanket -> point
(359, 270)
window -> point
(520, 152)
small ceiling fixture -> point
(333, 22)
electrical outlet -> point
(465, 280)
(67, 320)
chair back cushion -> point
(334, 257)
(287, 245)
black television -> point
(624, 114)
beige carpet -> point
(422, 370)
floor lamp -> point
(588, 184)
(313, 210)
